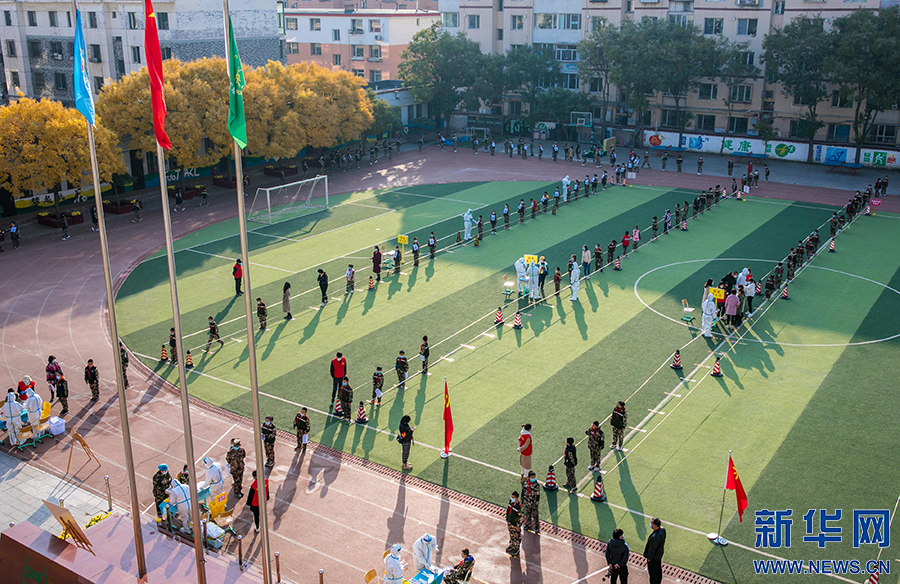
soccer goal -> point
(473, 132)
(289, 201)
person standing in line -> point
(235, 461)
(531, 498)
(557, 280)
(617, 557)
(626, 241)
(350, 277)
(699, 166)
(405, 438)
(493, 222)
(570, 460)
(521, 210)
(123, 356)
(214, 334)
(173, 347)
(62, 392)
(635, 238)
(618, 421)
(667, 222)
(480, 227)
(64, 224)
(402, 368)
(514, 524)
(262, 313)
(646, 161)
(598, 258)
(338, 372)
(654, 226)
(664, 159)
(253, 499)
(376, 263)
(730, 166)
(285, 301)
(596, 442)
(654, 549)
(731, 308)
(377, 385)
(268, 434)
(585, 261)
(575, 280)
(415, 251)
(346, 399)
(322, 280)
(432, 244)
(398, 259)
(750, 292)
(525, 449)
(161, 481)
(237, 272)
(424, 352)
(92, 378)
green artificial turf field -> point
(807, 401)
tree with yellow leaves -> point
(43, 143)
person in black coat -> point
(617, 557)
(654, 549)
(322, 280)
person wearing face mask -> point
(33, 405)
(617, 557)
(424, 550)
(235, 461)
(268, 434)
(514, 524)
(394, 566)
(531, 497)
(214, 480)
(654, 549)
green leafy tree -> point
(636, 70)
(555, 105)
(497, 75)
(766, 132)
(864, 65)
(538, 71)
(596, 53)
(439, 69)
(732, 70)
(385, 117)
(795, 57)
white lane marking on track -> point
(232, 259)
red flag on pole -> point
(154, 68)
(448, 419)
(733, 483)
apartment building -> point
(38, 39)
(558, 25)
(366, 42)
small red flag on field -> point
(733, 483)
(154, 69)
(448, 419)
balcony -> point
(356, 31)
(374, 59)
(751, 2)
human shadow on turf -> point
(310, 329)
(397, 520)
(224, 312)
(273, 339)
(578, 554)
(578, 311)
(411, 280)
(631, 496)
(342, 309)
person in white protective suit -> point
(534, 272)
(12, 415)
(33, 405)
(424, 550)
(709, 314)
(575, 280)
(467, 225)
(393, 566)
(565, 189)
(521, 277)
(742, 278)
(214, 479)
(180, 500)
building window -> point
(778, 7)
(705, 123)
(165, 53)
(515, 108)
(37, 79)
(474, 21)
(629, 8)
(56, 47)
(375, 52)
(708, 91)
(516, 22)
(358, 72)
(293, 48)
(712, 25)
(450, 19)
(746, 26)
(682, 19)
(94, 52)
(336, 60)
(315, 24)
(545, 20)
(132, 21)
(566, 53)
(741, 93)
(597, 23)
(98, 84)
(882, 134)
(499, 34)
(59, 81)
(374, 75)
(14, 78)
(54, 19)
(515, 48)
(92, 20)
(570, 81)
(290, 23)
(35, 51)
(837, 100)
(135, 54)
(838, 133)
(356, 26)
(7, 17)
(32, 18)
(357, 52)
(336, 34)
(801, 100)
(794, 129)
(375, 26)
(746, 58)
(571, 21)
(315, 49)
(162, 20)
(669, 119)
(737, 125)
(10, 48)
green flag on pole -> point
(237, 126)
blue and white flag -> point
(84, 100)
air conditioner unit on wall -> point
(377, 37)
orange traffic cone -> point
(831, 247)
(618, 266)
(868, 210)
(759, 287)
(717, 370)
(458, 236)
(361, 415)
(337, 409)
(684, 225)
(784, 293)
(550, 483)
(164, 356)
(676, 361)
(476, 241)
(371, 283)
(518, 323)
(188, 360)
(599, 496)
(499, 318)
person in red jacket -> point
(338, 372)
(253, 500)
(24, 386)
(238, 272)
(626, 241)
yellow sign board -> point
(718, 293)
(531, 259)
(402, 239)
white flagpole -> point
(251, 340)
(717, 537)
(182, 376)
